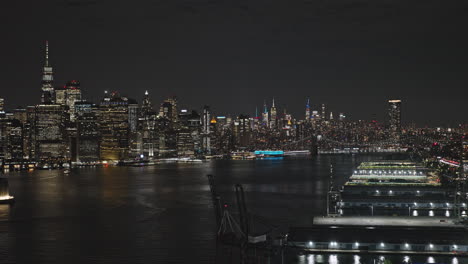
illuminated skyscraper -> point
(206, 133)
(265, 114)
(146, 106)
(114, 127)
(69, 95)
(168, 109)
(47, 79)
(273, 115)
(323, 117)
(394, 117)
(49, 131)
(242, 131)
(307, 111)
(87, 135)
(2, 103)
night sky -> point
(351, 55)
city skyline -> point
(48, 85)
(352, 56)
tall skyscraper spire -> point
(47, 54)
(265, 114)
(47, 79)
(323, 117)
(146, 105)
(307, 111)
(273, 115)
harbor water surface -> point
(163, 213)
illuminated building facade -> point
(265, 120)
(168, 109)
(394, 117)
(47, 79)
(114, 127)
(49, 132)
(88, 133)
(307, 110)
(188, 133)
(206, 130)
(69, 95)
(242, 131)
(147, 134)
(273, 117)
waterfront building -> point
(147, 140)
(391, 188)
(87, 137)
(29, 139)
(167, 137)
(15, 149)
(242, 131)
(206, 130)
(49, 132)
(114, 127)
(394, 118)
(188, 134)
(146, 105)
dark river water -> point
(161, 214)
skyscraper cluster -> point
(65, 127)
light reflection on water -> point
(144, 214)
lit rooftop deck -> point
(388, 221)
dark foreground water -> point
(161, 214)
